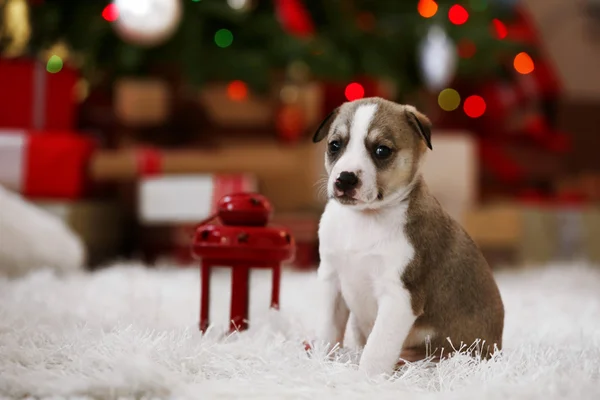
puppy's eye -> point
(383, 152)
(334, 146)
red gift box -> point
(49, 165)
(33, 98)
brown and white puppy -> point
(395, 267)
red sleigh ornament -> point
(242, 241)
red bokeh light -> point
(237, 91)
(474, 106)
(499, 29)
(354, 91)
(466, 48)
(110, 13)
(458, 15)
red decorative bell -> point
(241, 241)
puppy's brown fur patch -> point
(452, 288)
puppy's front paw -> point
(329, 350)
(373, 368)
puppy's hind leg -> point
(356, 332)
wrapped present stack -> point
(44, 158)
(536, 231)
(521, 145)
(161, 192)
(568, 33)
(539, 176)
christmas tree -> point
(248, 40)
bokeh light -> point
(466, 48)
(354, 91)
(237, 91)
(110, 12)
(223, 38)
(449, 99)
(523, 63)
(499, 29)
(458, 15)
(54, 64)
(427, 8)
(474, 106)
(238, 4)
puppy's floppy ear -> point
(421, 124)
(323, 128)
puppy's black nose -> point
(346, 181)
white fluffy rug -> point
(132, 332)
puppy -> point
(396, 269)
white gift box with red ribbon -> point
(186, 199)
(44, 165)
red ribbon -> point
(149, 161)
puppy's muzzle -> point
(347, 182)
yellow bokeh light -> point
(449, 99)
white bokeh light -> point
(438, 59)
(147, 22)
(238, 4)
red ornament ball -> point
(474, 106)
(458, 15)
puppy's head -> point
(374, 150)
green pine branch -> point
(340, 50)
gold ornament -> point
(15, 29)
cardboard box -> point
(452, 171)
(142, 102)
(536, 234)
(287, 175)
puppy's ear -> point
(323, 128)
(421, 124)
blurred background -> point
(129, 119)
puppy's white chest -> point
(367, 253)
